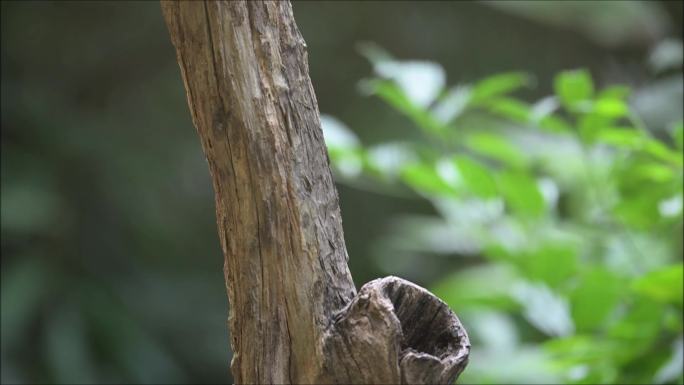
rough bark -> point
(295, 314)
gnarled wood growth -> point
(296, 316)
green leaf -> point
(425, 179)
(651, 172)
(659, 150)
(552, 263)
(544, 107)
(579, 348)
(615, 92)
(510, 108)
(663, 285)
(521, 194)
(387, 159)
(610, 107)
(589, 125)
(555, 124)
(595, 298)
(633, 139)
(573, 87)
(476, 176)
(420, 81)
(638, 328)
(625, 137)
(452, 105)
(472, 287)
(542, 114)
(639, 211)
(391, 93)
(545, 309)
(678, 135)
(527, 364)
(496, 147)
(498, 85)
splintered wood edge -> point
(395, 331)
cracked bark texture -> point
(295, 314)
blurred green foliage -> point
(570, 208)
(111, 266)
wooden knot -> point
(395, 331)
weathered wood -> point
(295, 316)
(394, 332)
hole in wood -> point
(394, 331)
(427, 323)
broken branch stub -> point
(393, 332)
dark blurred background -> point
(111, 267)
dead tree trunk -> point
(295, 314)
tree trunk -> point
(295, 314)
